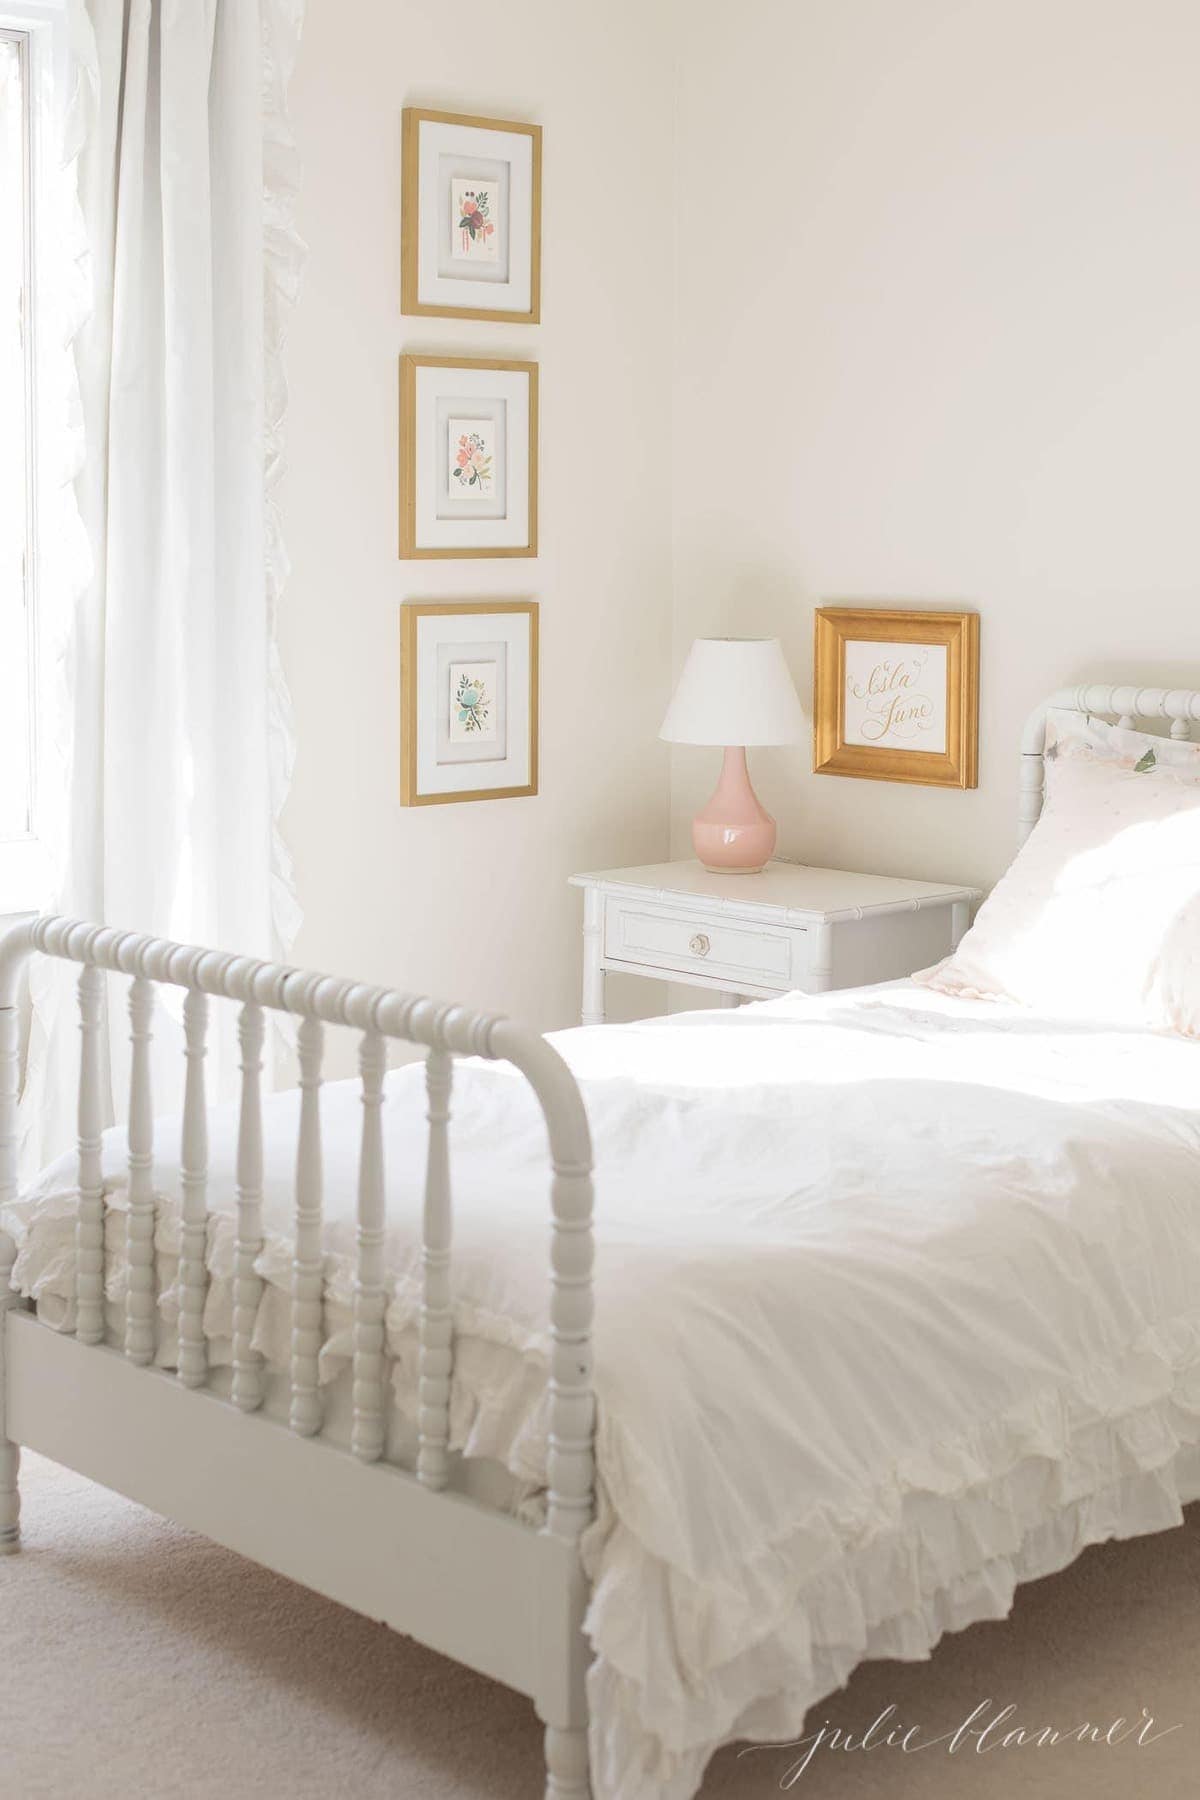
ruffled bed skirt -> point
(681, 1667)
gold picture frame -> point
(413, 118)
(415, 690)
(411, 547)
(887, 680)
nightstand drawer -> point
(692, 941)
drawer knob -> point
(700, 944)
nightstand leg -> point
(960, 918)
(593, 953)
(820, 962)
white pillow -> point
(1098, 917)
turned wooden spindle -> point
(141, 1298)
(368, 1431)
(307, 1263)
(10, 1453)
(89, 1223)
(572, 1405)
(193, 1174)
(247, 1285)
(570, 1502)
(566, 1765)
(437, 1350)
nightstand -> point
(755, 936)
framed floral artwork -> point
(468, 700)
(896, 695)
(471, 218)
(468, 457)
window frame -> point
(39, 28)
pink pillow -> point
(1098, 917)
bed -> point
(894, 1308)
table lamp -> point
(735, 692)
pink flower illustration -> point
(473, 464)
(473, 220)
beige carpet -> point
(139, 1661)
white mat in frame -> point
(442, 275)
(468, 700)
(443, 399)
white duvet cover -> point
(898, 1304)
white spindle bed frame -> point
(460, 1576)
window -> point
(16, 446)
(39, 430)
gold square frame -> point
(410, 218)
(409, 548)
(958, 632)
(410, 612)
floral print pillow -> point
(1079, 736)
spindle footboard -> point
(464, 1578)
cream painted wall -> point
(470, 900)
(929, 332)
(939, 341)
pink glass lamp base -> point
(734, 834)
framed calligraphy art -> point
(896, 695)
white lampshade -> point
(734, 691)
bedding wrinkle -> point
(897, 1304)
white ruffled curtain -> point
(175, 745)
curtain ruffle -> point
(63, 307)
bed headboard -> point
(1124, 704)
